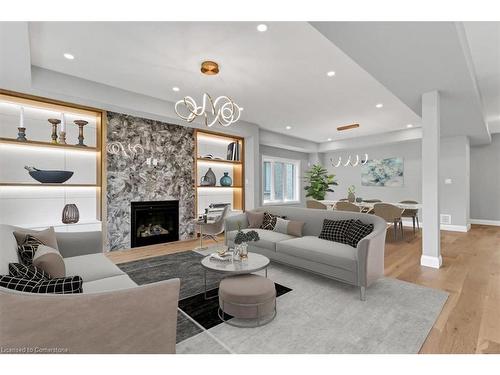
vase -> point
(226, 180)
(210, 177)
(242, 250)
(70, 214)
(351, 197)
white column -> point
(431, 247)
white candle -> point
(21, 118)
(63, 122)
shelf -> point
(12, 141)
(40, 184)
(237, 162)
(220, 187)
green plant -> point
(242, 237)
(351, 189)
(319, 182)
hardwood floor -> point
(470, 320)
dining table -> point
(368, 206)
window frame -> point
(297, 196)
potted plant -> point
(241, 241)
(351, 190)
(319, 182)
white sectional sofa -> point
(112, 315)
(360, 266)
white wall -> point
(485, 181)
(346, 176)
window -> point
(280, 180)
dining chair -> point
(347, 206)
(391, 214)
(411, 212)
(311, 203)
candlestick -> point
(81, 124)
(54, 122)
(63, 122)
(21, 117)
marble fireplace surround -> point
(130, 178)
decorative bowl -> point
(51, 177)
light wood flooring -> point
(470, 320)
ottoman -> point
(248, 298)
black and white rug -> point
(187, 267)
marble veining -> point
(131, 179)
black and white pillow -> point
(335, 230)
(30, 272)
(62, 285)
(18, 283)
(357, 231)
(269, 221)
(28, 248)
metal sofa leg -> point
(362, 293)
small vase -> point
(70, 214)
(243, 250)
(226, 180)
(210, 177)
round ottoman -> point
(248, 298)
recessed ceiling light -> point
(409, 125)
(288, 127)
(331, 73)
(379, 105)
(329, 139)
(262, 27)
(69, 56)
(176, 89)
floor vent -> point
(445, 219)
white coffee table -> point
(255, 262)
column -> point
(431, 247)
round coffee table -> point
(255, 262)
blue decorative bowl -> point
(51, 177)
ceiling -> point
(278, 76)
(484, 43)
(412, 58)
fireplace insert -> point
(154, 222)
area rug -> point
(318, 315)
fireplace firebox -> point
(154, 222)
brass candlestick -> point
(54, 122)
(62, 137)
(81, 124)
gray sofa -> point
(112, 315)
(359, 266)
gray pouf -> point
(247, 297)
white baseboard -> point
(429, 261)
(495, 223)
(455, 228)
(452, 228)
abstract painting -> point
(385, 172)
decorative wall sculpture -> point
(385, 172)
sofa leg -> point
(362, 293)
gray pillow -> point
(46, 236)
(50, 261)
(281, 225)
(255, 219)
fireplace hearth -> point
(154, 222)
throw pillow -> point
(50, 260)
(27, 249)
(269, 221)
(63, 285)
(18, 283)
(27, 272)
(255, 219)
(335, 230)
(46, 236)
(281, 225)
(295, 228)
(357, 231)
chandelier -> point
(349, 162)
(222, 110)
